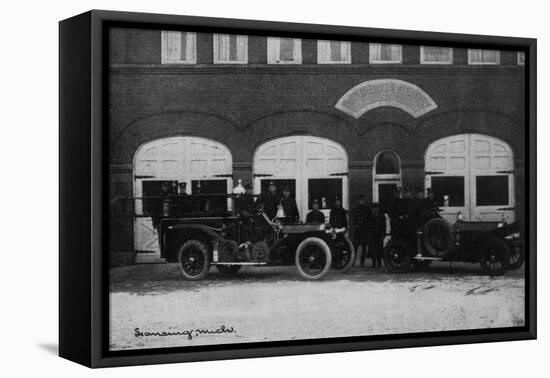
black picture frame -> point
(83, 260)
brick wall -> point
(243, 106)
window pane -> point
(484, 56)
(325, 191)
(492, 190)
(381, 52)
(280, 185)
(286, 49)
(387, 163)
(335, 51)
(233, 47)
(448, 190)
(432, 54)
(153, 188)
(212, 204)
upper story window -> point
(436, 55)
(179, 47)
(284, 50)
(521, 58)
(230, 48)
(478, 56)
(384, 53)
(333, 52)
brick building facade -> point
(443, 125)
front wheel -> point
(396, 257)
(313, 258)
(194, 260)
(495, 257)
(344, 254)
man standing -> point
(360, 217)
(270, 201)
(315, 215)
(162, 209)
(338, 215)
(289, 207)
(377, 232)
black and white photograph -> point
(270, 187)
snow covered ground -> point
(270, 304)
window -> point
(436, 55)
(448, 190)
(230, 48)
(179, 47)
(325, 191)
(477, 56)
(284, 50)
(387, 163)
(387, 177)
(521, 58)
(333, 52)
(492, 190)
(384, 53)
(215, 203)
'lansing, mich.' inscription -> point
(376, 93)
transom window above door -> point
(178, 47)
(333, 52)
(436, 55)
(284, 50)
(230, 48)
(478, 56)
(385, 53)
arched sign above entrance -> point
(386, 92)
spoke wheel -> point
(344, 254)
(396, 257)
(313, 258)
(495, 257)
(437, 237)
(194, 260)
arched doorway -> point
(472, 174)
(205, 166)
(386, 173)
(312, 167)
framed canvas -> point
(234, 188)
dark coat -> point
(270, 203)
(291, 210)
(315, 216)
(244, 204)
(377, 226)
(360, 217)
(338, 217)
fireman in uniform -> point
(338, 215)
(244, 204)
(377, 233)
(270, 201)
(162, 209)
(315, 215)
(360, 217)
(289, 207)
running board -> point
(422, 258)
(239, 263)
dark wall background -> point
(242, 106)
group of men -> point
(406, 209)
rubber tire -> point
(387, 258)
(504, 251)
(426, 239)
(516, 265)
(328, 255)
(352, 256)
(205, 252)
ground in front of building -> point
(274, 303)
